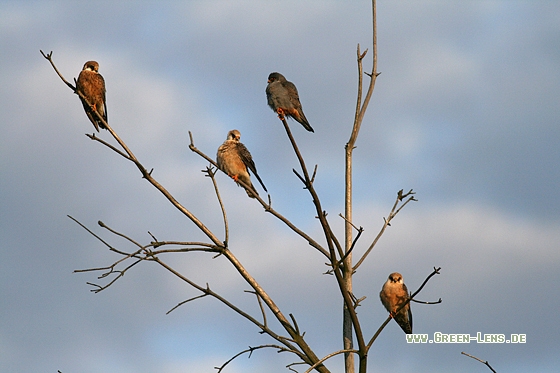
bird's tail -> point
(260, 181)
(303, 120)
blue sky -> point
(465, 112)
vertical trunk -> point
(347, 333)
(361, 107)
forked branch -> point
(145, 253)
(333, 244)
(387, 221)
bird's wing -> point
(293, 94)
(247, 159)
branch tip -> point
(314, 174)
(363, 54)
(480, 360)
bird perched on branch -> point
(235, 160)
(92, 85)
(393, 294)
(283, 98)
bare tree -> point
(339, 254)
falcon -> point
(92, 85)
(235, 160)
(283, 98)
(393, 295)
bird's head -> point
(91, 66)
(234, 135)
(396, 278)
(273, 77)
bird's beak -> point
(268, 81)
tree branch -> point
(309, 356)
(49, 58)
(332, 242)
(483, 362)
(387, 222)
(152, 256)
(329, 356)
(188, 300)
(250, 351)
(263, 313)
(211, 173)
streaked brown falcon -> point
(92, 85)
(393, 295)
(235, 160)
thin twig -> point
(425, 302)
(49, 58)
(95, 138)
(213, 249)
(295, 323)
(263, 313)
(156, 244)
(250, 351)
(211, 173)
(94, 235)
(197, 151)
(120, 274)
(236, 309)
(483, 362)
(314, 174)
(289, 366)
(300, 178)
(349, 252)
(329, 356)
(103, 225)
(186, 301)
(349, 222)
(386, 223)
